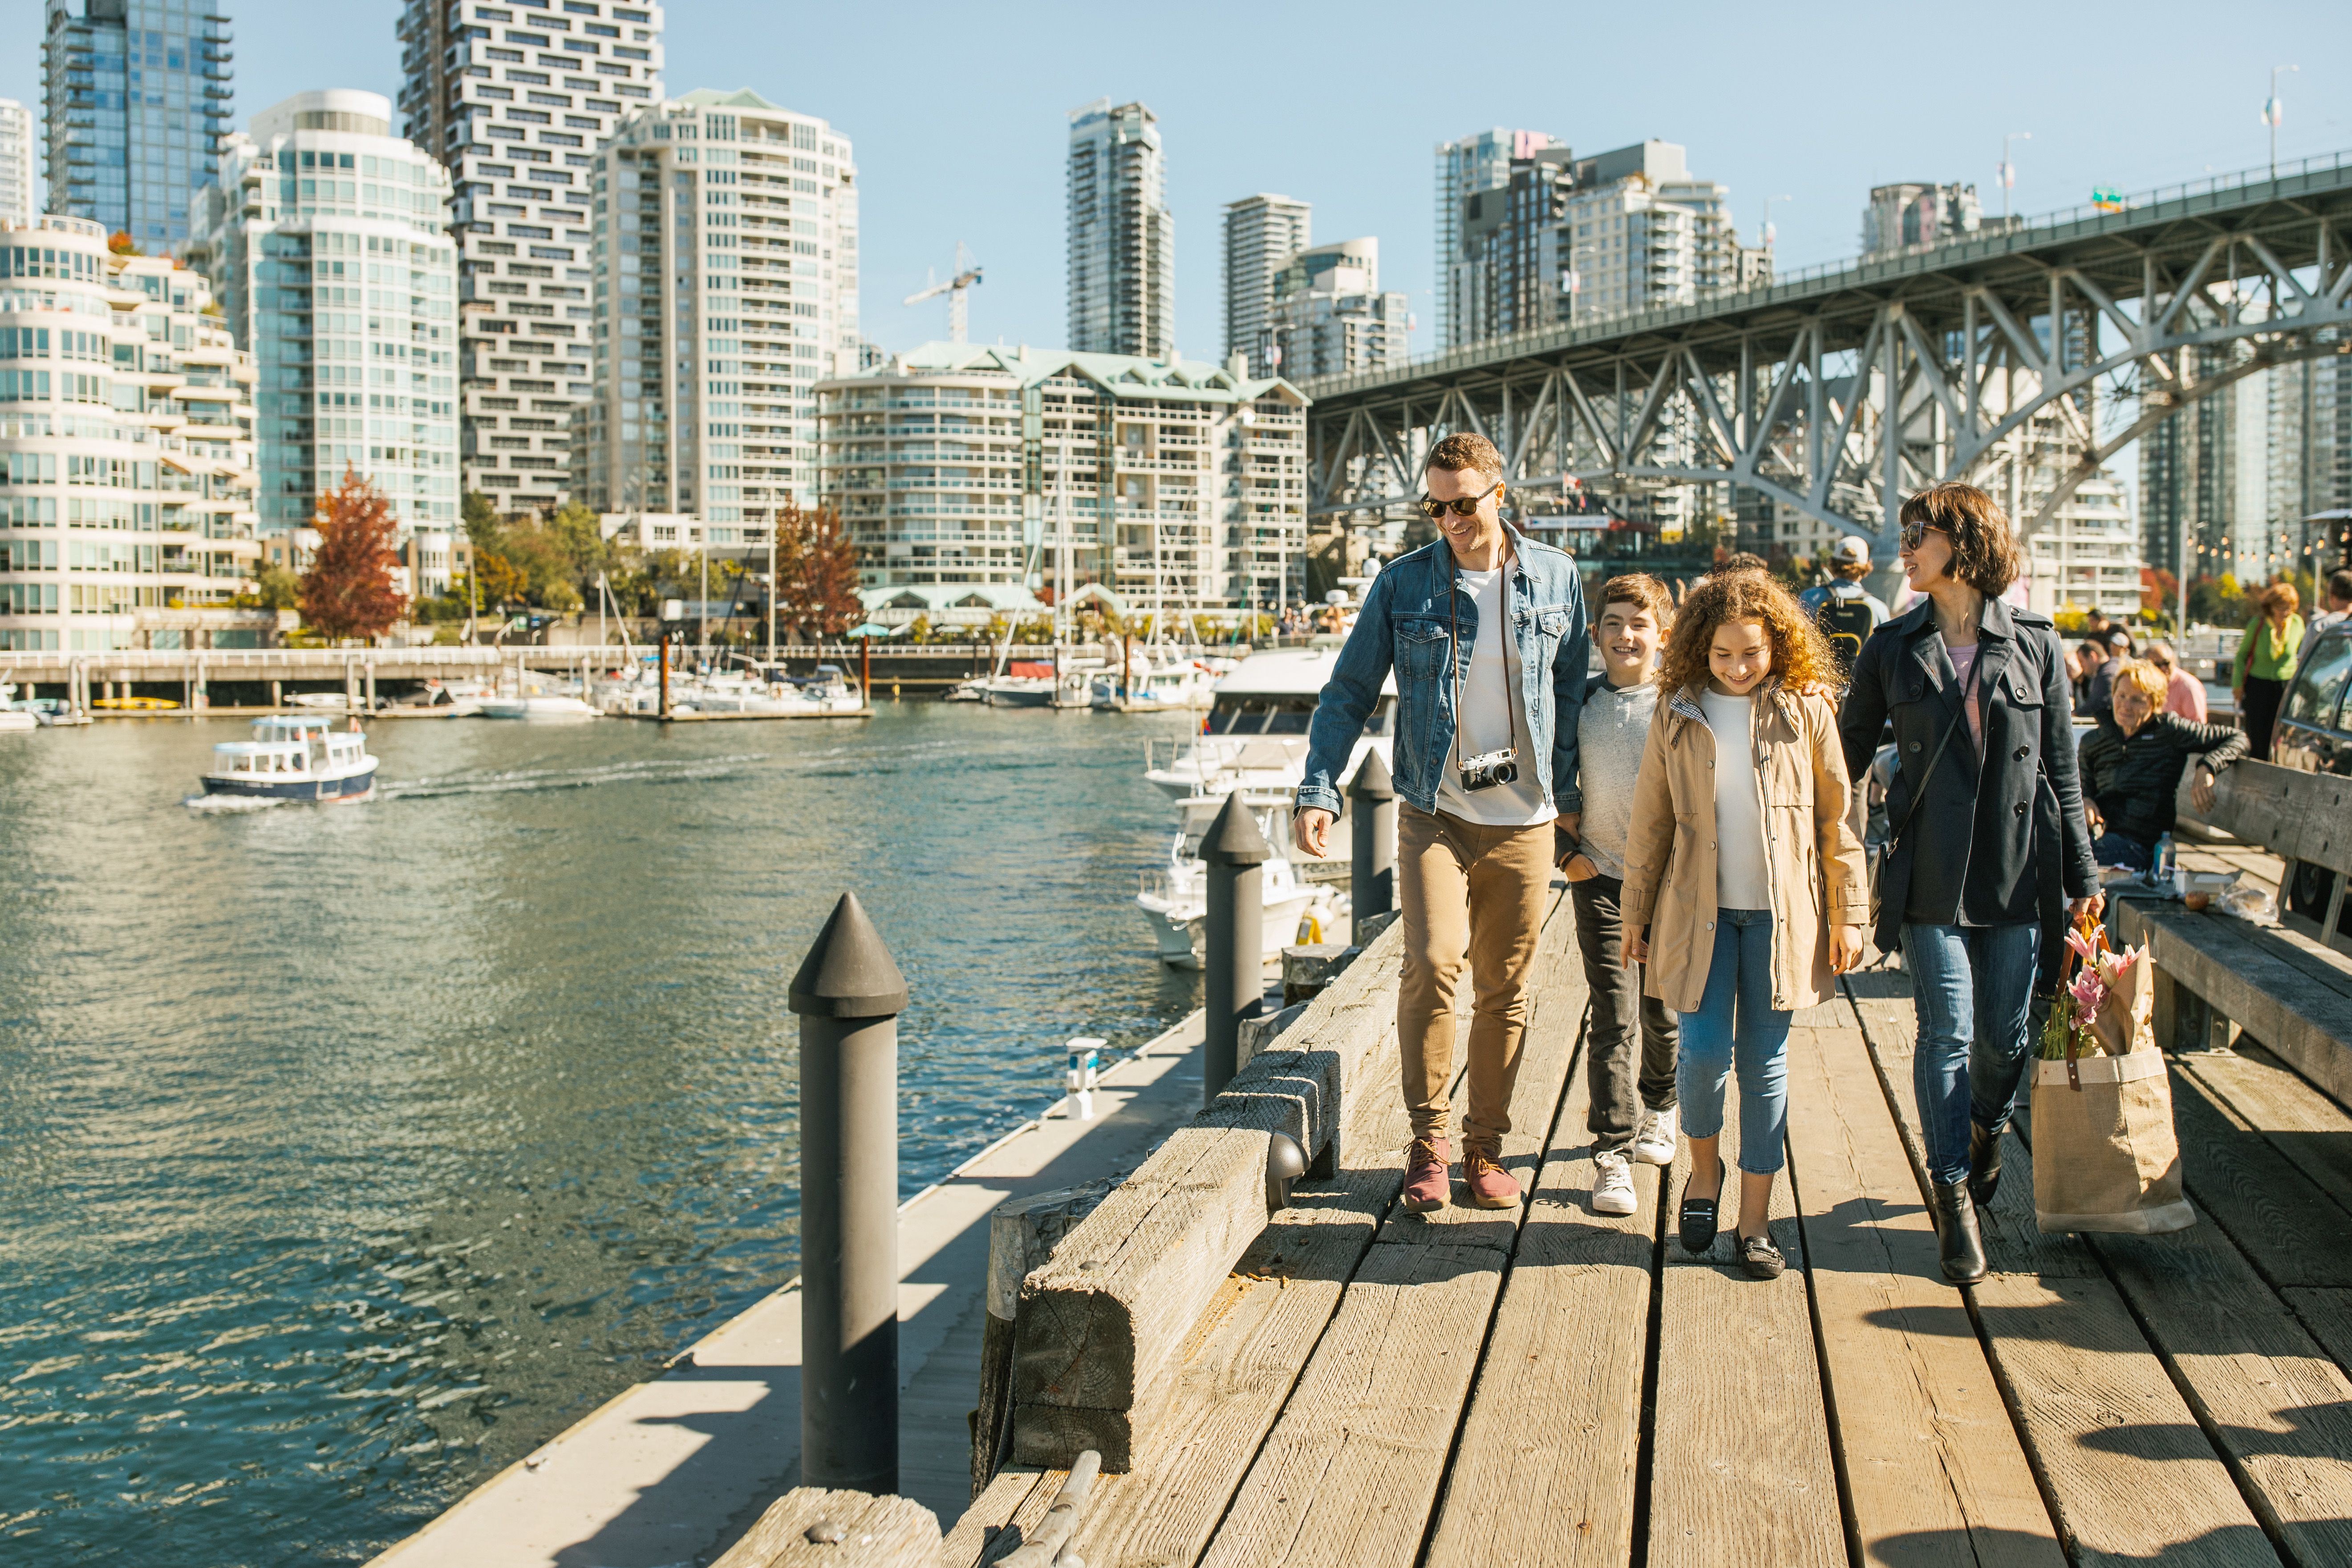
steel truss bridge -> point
(1837, 391)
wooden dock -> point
(1371, 1387)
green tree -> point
(274, 588)
(581, 535)
(483, 524)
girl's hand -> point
(1845, 948)
(1636, 946)
(1580, 870)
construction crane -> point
(957, 289)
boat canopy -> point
(262, 757)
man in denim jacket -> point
(1486, 631)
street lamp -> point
(2008, 169)
(1767, 233)
(2274, 111)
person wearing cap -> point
(2098, 698)
(1849, 565)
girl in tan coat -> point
(1743, 881)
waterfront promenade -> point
(1375, 1387)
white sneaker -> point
(1612, 1184)
(1654, 1144)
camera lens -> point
(1507, 773)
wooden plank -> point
(1934, 1472)
(1540, 1479)
(2308, 1127)
(2279, 1406)
(2306, 1024)
(1740, 1467)
(1009, 1496)
(2328, 1316)
(2286, 1227)
(1351, 1471)
(2123, 1469)
(810, 1525)
(2297, 815)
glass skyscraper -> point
(136, 98)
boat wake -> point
(526, 780)
(233, 805)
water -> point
(348, 1153)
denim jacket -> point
(1404, 627)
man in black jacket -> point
(2131, 767)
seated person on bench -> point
(2131, 766)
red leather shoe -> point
(1491, 1186)
(1426, 1184)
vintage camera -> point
(1491, 768)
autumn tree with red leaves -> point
(816, 572)
(348, 591)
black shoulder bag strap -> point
(1919, 792)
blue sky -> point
(959, 111)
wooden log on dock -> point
(810, 1525)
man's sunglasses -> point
(1913, 532)
(1461, 506)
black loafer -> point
(1761, 1258)
(1697, 1221)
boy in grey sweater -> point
(1632, 1116)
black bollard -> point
(1371, 878)
(1236, 962)
(849, 994)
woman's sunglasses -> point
(1461, 506)
(1913, 532)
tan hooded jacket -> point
(1816, 863)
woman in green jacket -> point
(2266, 666)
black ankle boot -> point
(1984, 1164)
(1961, 1248)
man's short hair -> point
(1467, 449)
(2339, 585)
(1639, 588)
(1743, 561)
(2098, 645)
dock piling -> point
(1235, 964)
(848, 994)
(1371, 878)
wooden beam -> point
(849, 1529)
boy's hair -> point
(1984, 552)
(1639, 588)
(2339, 585)
(1801, 655)
(1467, 449)
(1852, 570)
(1743, 561)
(2145, 679)
(2098, 645)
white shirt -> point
(1491, 701)
(1743, 881)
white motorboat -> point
(1255, 733)
(13, 717)
(1154, 687)
(1175, 902)
(293, 756)
(538, 701)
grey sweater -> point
(1610, 735)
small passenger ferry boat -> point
(294, 757)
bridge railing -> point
(1535, 340)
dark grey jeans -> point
(1622, 1086)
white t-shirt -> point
(1743, 879)
(1490, 703)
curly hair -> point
(1801, 655)
(1984, 551)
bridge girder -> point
(1837, 395)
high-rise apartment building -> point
(1176, 484)
(126, 448)
(16, 160)
(136, 94)
(326, 241)
(1262, 234)
(726, 289)
(515, 98)
(1912, 216)
(1329, 316)
(1122, 235)
(1562, 235)
(1465, 167)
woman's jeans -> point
(1754, 1033)
(1971, 985)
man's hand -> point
(2200, 790)
(1636, 946)
(1845, 948)
(1579, 868)
(1311, 828)
(2079, 909)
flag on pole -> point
(2274, 113)
(2008, 174)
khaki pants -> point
(1472, 892)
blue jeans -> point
(2112, 848)
(1971, 985)
(1756, 1035)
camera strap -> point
(1454, 636)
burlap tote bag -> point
(2105, 1153)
